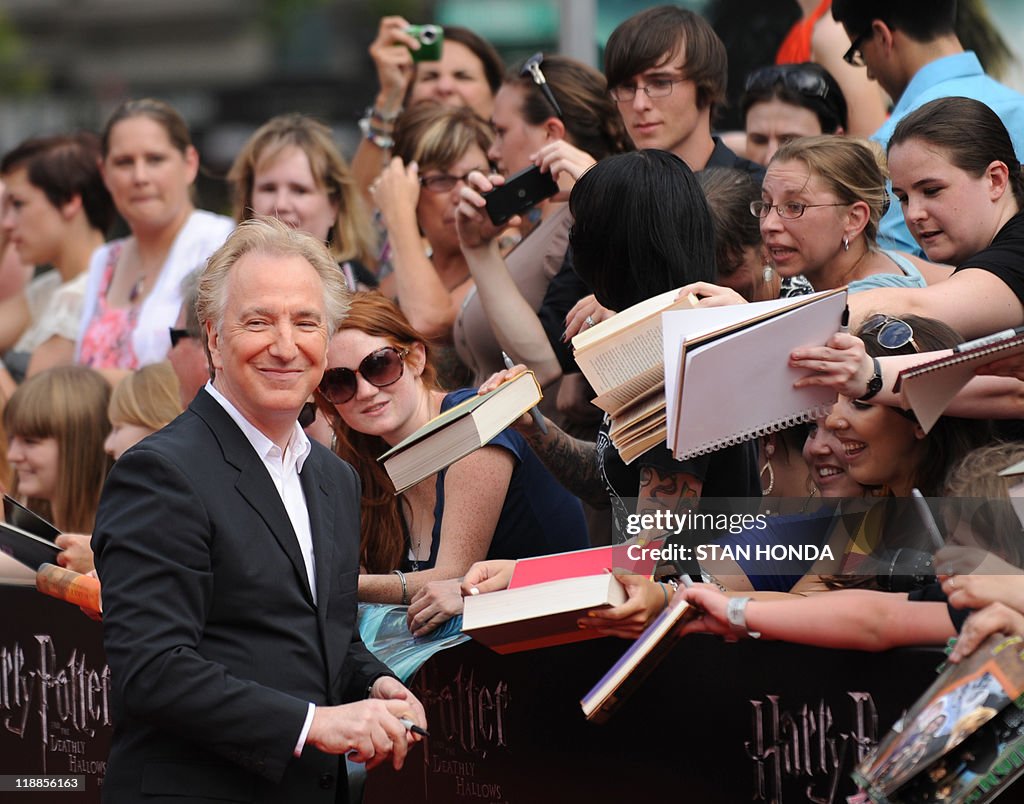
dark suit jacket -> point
(214, 642)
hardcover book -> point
(459, 431)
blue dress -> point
(539, 515)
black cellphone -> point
(521, 191)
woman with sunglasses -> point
(821, 201)
(959, 181)
(554, 112)
(498, 502)
(436, 148)
(783, 102)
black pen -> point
(538, 417)
(844, 323)
(413, 727)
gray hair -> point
(268, 236)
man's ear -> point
(882, 34)
(213, 344)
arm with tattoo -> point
(573, 463)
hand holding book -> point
(645, 599)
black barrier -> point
(716, 722)
(55, 716)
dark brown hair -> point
(645, 39)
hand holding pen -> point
(535, 414)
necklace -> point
(137, 288)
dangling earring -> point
(846, 243)
(769, 450)
(768, 273)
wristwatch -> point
(875, 383)
(736, 614)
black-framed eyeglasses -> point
(177, 334)
(655, 88)
(531, 67)
(444, 182)
(889, 332)
(789, 211)
(381, 368)
(853, 56)
(794, 77)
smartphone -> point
(521, 191)
(430, 37)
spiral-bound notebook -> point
(730, 381)
(928, 389)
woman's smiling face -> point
(880, 446)
(823, 453)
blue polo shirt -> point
(959, 75)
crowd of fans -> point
(915, 209)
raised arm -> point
(973, 301)
(513, 321)
(393, 61)
(421, 294)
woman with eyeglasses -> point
(554, 112)
(783, 102)
(821, 201)
(959, 181)
(436, 148)
(498, 502)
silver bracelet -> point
(736, 614)
(405, 588)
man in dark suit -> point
(228, 548)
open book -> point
(928, 388)
(727, 377)
(539, 615)
(963, 740)
(637, 662)
(459, 431)
(621, 356)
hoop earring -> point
(846, 243)
(769, 450)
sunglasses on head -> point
(891, 333)
(794, 77)
(380, 368)
(531, 67)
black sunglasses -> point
(531, 67)
(177, 335)
(853, 56)
(794, 77)
(380, 368)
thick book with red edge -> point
(577, 563)
(539, 615)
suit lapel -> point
(254, 483)
(321, 521)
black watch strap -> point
(875, 383)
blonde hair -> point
(148, 397)
(68, 404)
(436, 136)
(352, 233)
(848, 167)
